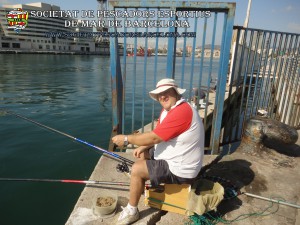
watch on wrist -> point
(126, 141)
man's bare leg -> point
(139, 174)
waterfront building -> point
(216, 53)
(207, 53)
(44, 33)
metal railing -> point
(197, 55)
(253, 72)
(265, 68)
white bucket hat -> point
(164, 85)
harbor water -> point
(72, 94)
(68, 93)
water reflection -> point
(68, 93)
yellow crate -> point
(169, 197)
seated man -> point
(172, 153)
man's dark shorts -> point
(160, 173)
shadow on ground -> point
(234, 174)
(292, 150)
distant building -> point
(189, 49)
(43, 34)
(207, 53)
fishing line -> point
(105, 152)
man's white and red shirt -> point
(182, 130)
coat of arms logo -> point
(17, 19)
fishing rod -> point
(232, 191)
(66, 181)
(113, 155)
(71, 181)
(272, 200)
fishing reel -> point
(123, 168)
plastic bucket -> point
(105, 204)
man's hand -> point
(140, 152)
(144, 139)
(118, 140)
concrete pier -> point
(105, 170)
(268, 174)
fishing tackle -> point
(120, 167)
(71, 181)
(123, 168)
(232, 191)
(66, 181)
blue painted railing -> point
(259, 76)
(194, 62)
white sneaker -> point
(125, 218)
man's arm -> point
(144, 139)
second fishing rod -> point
(121, 168)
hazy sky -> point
(277, 15)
